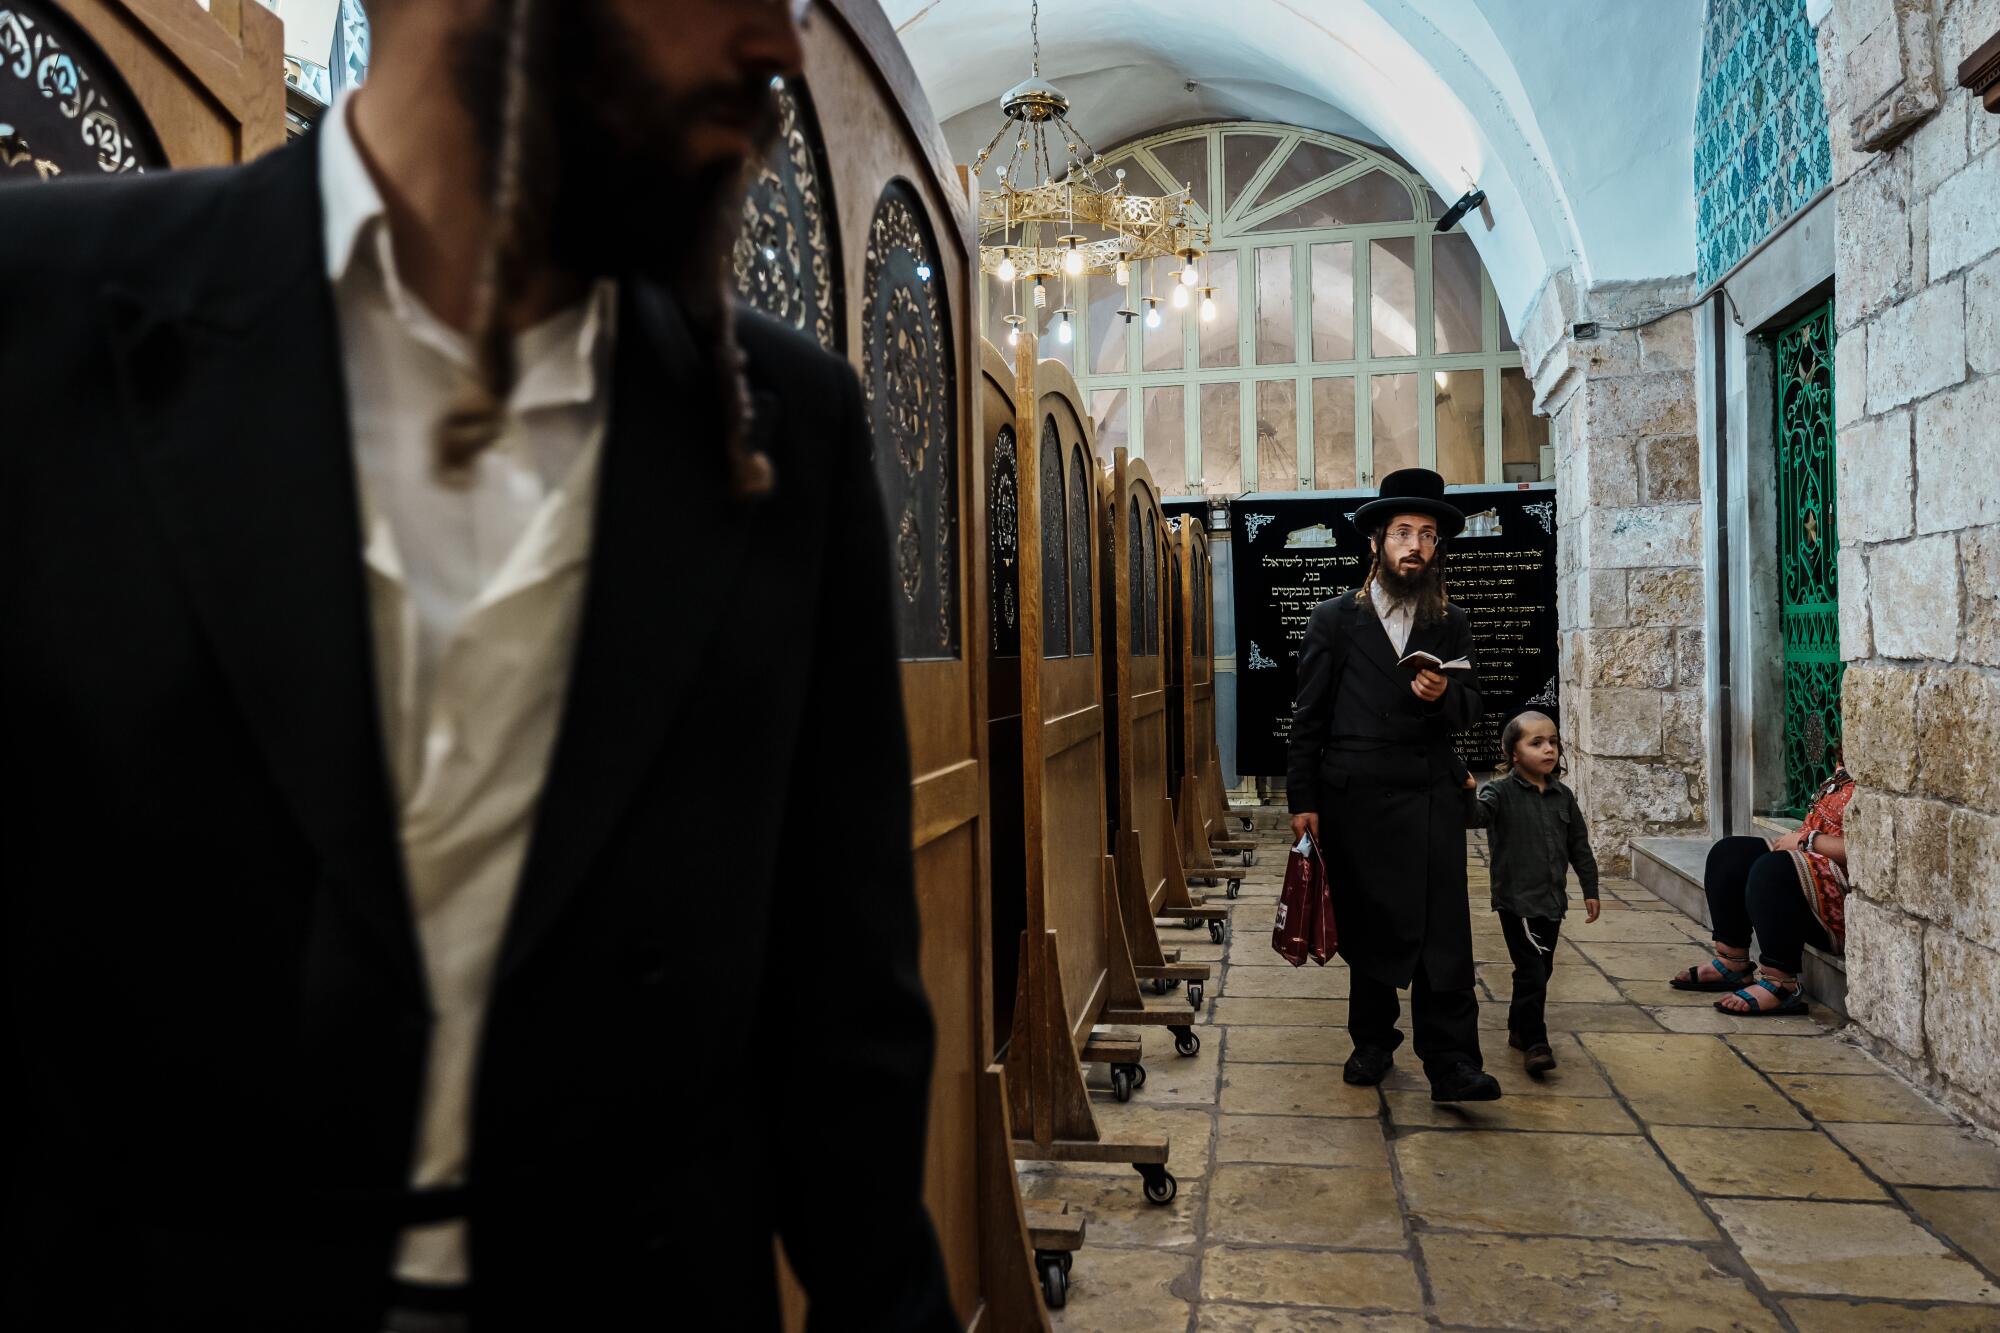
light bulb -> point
(1190, 276)
(1152, 317)
(1063, 334)
(1208, 310)
(1073, 262)
(923, 272)
(1007, 271)
(1180, 298)
(1041, 296)
(1124, 274)
(1014, 337)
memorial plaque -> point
(1292, 555)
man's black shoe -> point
(1368, 1066)
(1464, 1083)
(1540, 1059)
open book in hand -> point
(1422, 661)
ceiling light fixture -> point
(1049, 216)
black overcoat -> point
(213, 1017)
(1376, 764)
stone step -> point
(1672, 868)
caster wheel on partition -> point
(1216, 931)
(1161, 1187)
(1249, 858)
(1138, 1076)
(1159, 985)
(1194, 995)
(1186, 1042)
(1191, 923)
(1235, 887)
(1121, 1082)
(1055, 1278)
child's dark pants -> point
(1531, 943)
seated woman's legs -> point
(1782, 916)
(1725, 880)
(1785, 925)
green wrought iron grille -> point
(1808, 563)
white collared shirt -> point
(475, 593)
(1396, 615)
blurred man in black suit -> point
(401, 535)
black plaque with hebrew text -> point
(1293, 554)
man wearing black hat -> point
(1371, 761)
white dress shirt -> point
(1396, 615)
(475, 593)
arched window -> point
(1079, 552)
(1055, 546)
(1349, 340)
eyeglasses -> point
(1404, 536)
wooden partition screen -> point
(91, 87)
(1075, 967)
(1200, 806)
(893, 285)
(1146, 841)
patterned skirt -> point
(1825, 886)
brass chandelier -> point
(1042, 191)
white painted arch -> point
(1575, 116)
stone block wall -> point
(1628, 495)
(1918, 418)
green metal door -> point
(1808, 546)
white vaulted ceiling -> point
(1575, 116)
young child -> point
(1538, 835)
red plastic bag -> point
(1305, 926)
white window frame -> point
(1231, 233)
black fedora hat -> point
(1412, 490)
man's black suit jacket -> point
(213, 1019)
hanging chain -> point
(1035, 32)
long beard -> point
(1402, 586)
(609, 187)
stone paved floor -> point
(1681, 1170)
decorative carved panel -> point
(1152, 584)
(1080, 491)
(1201, 607)
(1135, 576)
(786, 261)
(908, 376)
(64, 109)
(1003, 533)
(1055, 546)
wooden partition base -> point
(1175, 901)
(1197, 858)
(1215, 806)
(1056, 1235)
(1009, 1268)
(1125, 904)
(1201, 829)
(1063, 1128)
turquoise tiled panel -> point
(1760, 138)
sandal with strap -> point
(1789, 1001)
(1729, 980)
